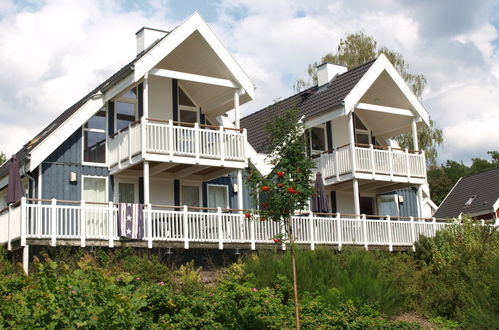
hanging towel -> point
(131, 220)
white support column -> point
(351, 139)
(236, 108)
(415, 134)
(356, 201)
(420, 201)
(26, 259)
(146, 182)
(145, 96)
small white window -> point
(94, 189)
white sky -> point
(53, 52)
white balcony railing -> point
(53, 220)
(372, 160)
(177, 139)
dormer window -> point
(94, 138)
(469, 201)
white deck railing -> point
(372, 160)
(177, 139)
(61, 220)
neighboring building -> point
(150, 133)
(475, 195)
(352, 117)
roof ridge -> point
(483, 172)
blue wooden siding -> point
(58, 166)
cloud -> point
(56, 52)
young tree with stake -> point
(288, 188)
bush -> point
(460, 279)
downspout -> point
(29, 178)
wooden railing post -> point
(222, 145)
(170, 137)
(110, 223)
(196, 141)
(252, 234)
(434, 222)
(24, 219)
(149, 226)
(312, 230)
(371, 152)
(9, 247)
(390, 240)
(338, 220)
(83, 224)
(186, 227)
(220, 231)
(283, 232)
(364, 227)
(243, 146)
(143, 139)
(408, 167)
(390, 162)
(129, 143)
(413, 234)
(118, 139)
(53, 220)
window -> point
(187, 110)
(388, 205)
(362, 134)
(190, 195)
(218, 196)
(126, 109)
(94, 138)
(469, 201)
(94, 189)
(317, 139)
(183, 99)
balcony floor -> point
(369, 185)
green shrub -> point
(460, 279)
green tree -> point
(288, 187)
(3, 158)
(358, 48)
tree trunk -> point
(293, 266)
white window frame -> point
(134, 101)
(118, 180)
(191, 184)
(83, 130)
(313, 151)
(83, 177)
(209, 185)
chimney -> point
(147, 36)
(327, 71)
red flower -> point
(276, 240)
(292, 190)
(265, 188)
(280, 174)
(280, 185)
(247, 215)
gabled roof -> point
(474, 194)
(310, 102)
(50, 137)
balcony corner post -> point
(434, 222)
(83, 224)
(149, 225)
(390, 162)
(364, 229)
(407, 165)
(110, 223)
(340, 238)
(413, 234)
(196, 142)
(186, 227)
(53, 220)
(312, 231)
(222, 145)
(336, 167)
(390, 240)
(243, 146)
(24, 219)
(9, 223)
(220, 229)
(373, 163)
(252, 234)
(143, 136)
(170, 138)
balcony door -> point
(218, 196)
(190, 195)
(126, 191)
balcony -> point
(372, 163)
(177, 142)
